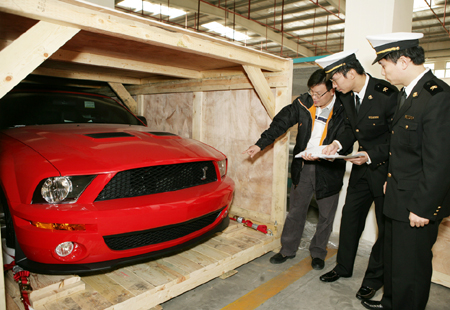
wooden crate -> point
(199, 87)
(144, 286)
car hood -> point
(76, 149)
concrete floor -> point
(305, 293)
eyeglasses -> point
(318, 96)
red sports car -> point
(86, 186)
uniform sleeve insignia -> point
(433, 88)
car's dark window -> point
(43, 108)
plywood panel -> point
(170, 112)
(233, 121)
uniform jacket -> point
(329, 175)
(419, 164)
(371, 128)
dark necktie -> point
(358, 104)
(402, 99)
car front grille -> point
(160, 234)
(158, 179)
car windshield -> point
(20, 109)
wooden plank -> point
(44, 284)
(108, 288)
(62, 292)
(9, 303)
(233, 242)
(226, 247)
(154, 274)
(125, 64)
(64, 304)
(198, 257)
(197, 116)
(211, 252)
(26, 53)
(281, 157)
(183, 263)
(91, 75)
(262, 88)
(117, 24)
(169, 290)
(130, 281)
(124, 95)
(90, 299)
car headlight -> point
(64, 189)
(222, 167)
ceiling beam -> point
(338, 5)
(250, 25)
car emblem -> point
(204, 173)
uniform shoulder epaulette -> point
(432, 87)
(385, 89)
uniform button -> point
(389, 174)
(392, 132)
(390, 153)
(435, 214)
(374, 124)
(406, 126)
(439, 207)
(357, 130)
(360, 147)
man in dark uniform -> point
(418, 183)
(320, 117)
(369, 112)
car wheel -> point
(10, 234)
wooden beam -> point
(338, 5)
(82, 75)
(110, 22)
(197, 116)
(210, 84)
(281, 157)
(125, 96)
(262, 88)
(126, 64)
(27, 52)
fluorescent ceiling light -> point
(226, 31)
(151, 8)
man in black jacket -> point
(369, 108)
(320, 118)
(418, 183)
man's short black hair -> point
(319, 77)
(344, 69)
(416, 54)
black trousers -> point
(354, 213)
(408, 264)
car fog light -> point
(56, 189)
(64, 249)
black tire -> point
(10, 234)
